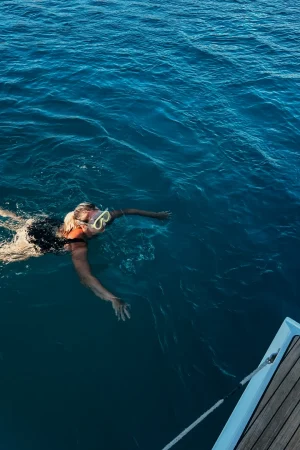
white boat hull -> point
(254, 391)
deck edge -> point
(244, 409)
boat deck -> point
(275, 423)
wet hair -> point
(79, 214)
(42, 233)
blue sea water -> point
(185, 106)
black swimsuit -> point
(42, 233)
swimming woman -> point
(35, 237)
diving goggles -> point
(99, 219)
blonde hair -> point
(79, 214)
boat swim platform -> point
(275, 422)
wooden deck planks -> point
(291, 356)
(294, 442)
(288, 430)
(275, 425)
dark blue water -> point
(183, 105)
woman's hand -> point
(164, 215)
(121, 308)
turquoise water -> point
(187, 106)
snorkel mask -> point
(98, 220)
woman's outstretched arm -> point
(163, 215)
(81, 264)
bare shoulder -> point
(76, 248)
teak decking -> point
(275, 423)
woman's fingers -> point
(121, 309)
(164, 215)
(122, 313)
(126, 310)
(116, 306)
